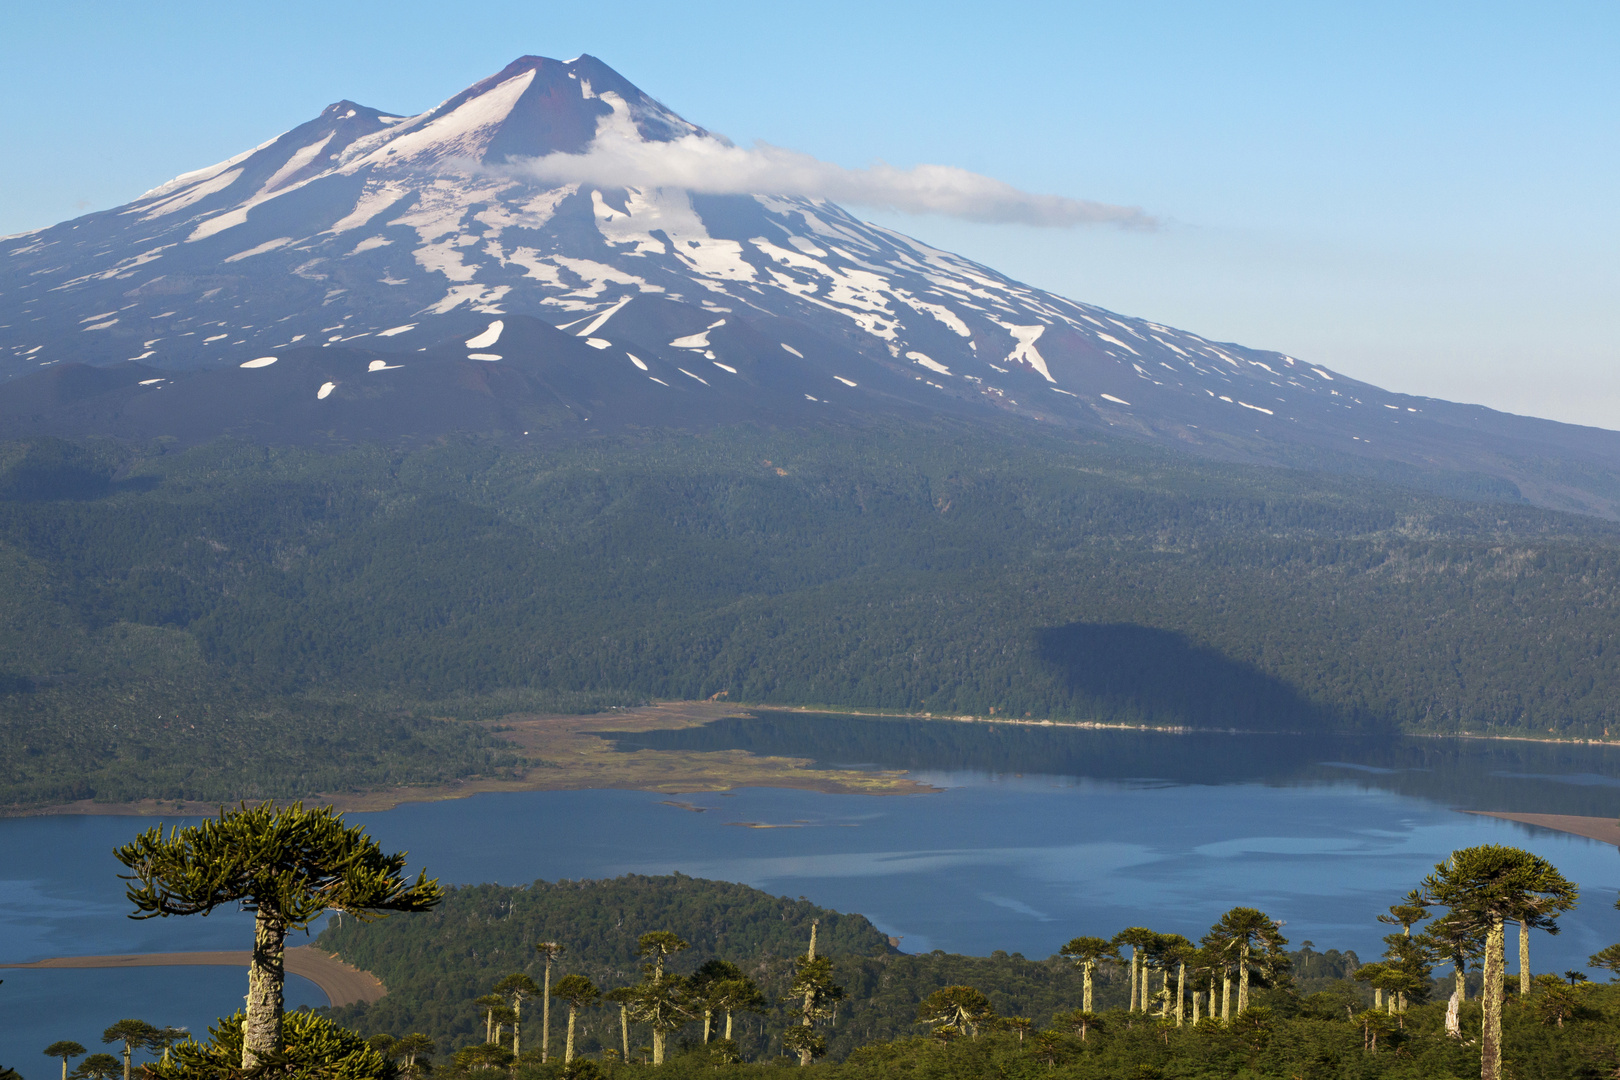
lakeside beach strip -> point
(343, 984)
(1604, 829)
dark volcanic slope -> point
(362, 230)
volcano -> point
(378, 276)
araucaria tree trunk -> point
(1490, 1042)
(624, 1030)
(1454, 1006)
(1134, 968)
(1243, 979)
(568, 1047)
(1524, 958)
(1226, 996)
(1085, 999)
(545, 1016)
(809, 995)
(1181, 991)
(261, 1029)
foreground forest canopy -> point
(437, 965)
(1309, 1014)
(168, 617)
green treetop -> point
(287, 867)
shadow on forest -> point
(53, 470)
(1142, 674)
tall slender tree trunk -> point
(1490, 1042)
(1085, 998)
(1195, 996)
(1181, 991)
(624, 1030)
(658, 1045)
(1454, 1006)
(809, 995)
(1378, 998)
(1243, 979)
(1226, 996)
(568, 1047)
(1134, 1004)
(261, 1028)
(545, 1015)
(517, 1022)
(126, 1061)
(728, 1025)
(1524, 959)
(708, 1023)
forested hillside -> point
(435, 966)
(235, 620)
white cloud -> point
(708, 165)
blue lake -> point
(1073, 832)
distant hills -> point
(239, 619)
(370, 276)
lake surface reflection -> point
(1039, 834)
(1468, 774)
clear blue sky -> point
(1421, 195)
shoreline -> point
(1602, 829)
(565, 753)
(343, 984)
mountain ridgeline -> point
(236, 620)
(368, 276)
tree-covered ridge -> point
(311, 613)
(436, 965)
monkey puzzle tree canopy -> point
(1483, 887)
(287, 867)
(64, 1049)
(961, 1009)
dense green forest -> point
(437, 965)
(240, 621)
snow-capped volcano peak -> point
(532, 107)
(399, 233)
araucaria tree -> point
(732, 996)
(517, 988)
(813, 985)
(578, 993)
(1483, 887)
(549, 951)
(96, 1067)
(1140, 939)
(721, 986)
(65, 1049)
(133, 1034)
(1449, 938)
(961, 1010)
(1176, 952)
(1256, 945)
(661, 1001)
(1086, 953)
(287, 867)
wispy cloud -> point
(708, 165)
